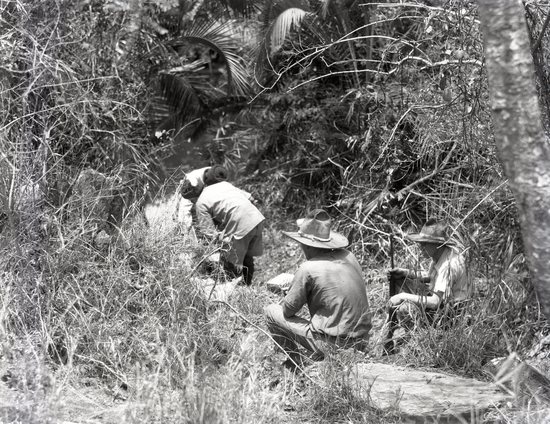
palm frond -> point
(290, 19)
(243, 7)
(221, 38)
(279, 18)
(325, 6)
(179, 94)
(176, 104)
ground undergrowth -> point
(115, 328)
(129, 336)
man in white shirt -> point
(226, 213)
(445, 287)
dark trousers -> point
(445, 316)
(247, 270)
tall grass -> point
(126, 325)
(133, 319)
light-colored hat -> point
(314, 230)
(432, 232)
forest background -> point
(378, 112)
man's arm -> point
(204, 220)
(431, 301)
(297, 295)
(408, 281)
(410, 274)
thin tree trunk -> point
(521, 144)
(341, 10)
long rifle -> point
(389, 346)
(393, 287)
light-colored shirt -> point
(332, 285)
(449, 277)
(224, 208)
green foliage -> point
(111, 292)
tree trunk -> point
(521, 144)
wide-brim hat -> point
(314, 230)
(432, 232)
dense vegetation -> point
(378, 113)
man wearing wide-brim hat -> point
(446, 284)
(330, 282)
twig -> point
(541, 35)
(477, 205)
(118, 375)
(430, 175)
(316, 51)
(217, 249)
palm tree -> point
(325, 32)
(205, 71)
(198, 63)
(202, 66)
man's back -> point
(450, 277)
(230, 209)
(333, 287)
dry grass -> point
(125, 335)
(129, 333)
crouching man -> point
(439, 296)
(226, 213)
(330, 282)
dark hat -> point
(187, 190)
(314, 230)
(215, 174)
(432, 232)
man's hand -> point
(396, 300)
(224, 239)
(398, 273)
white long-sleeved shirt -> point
(224, 208)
